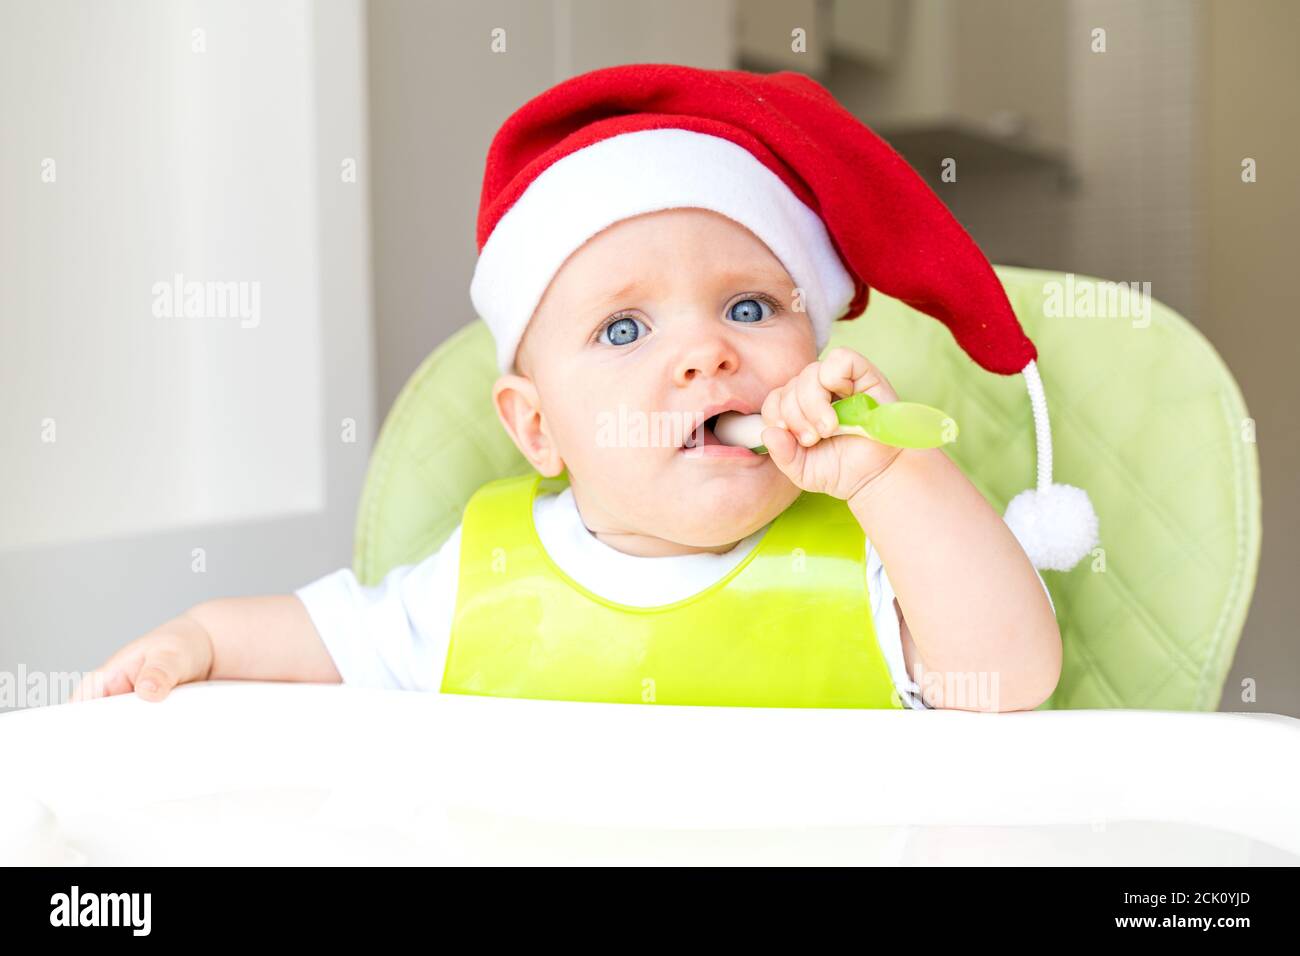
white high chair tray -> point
(262, 773)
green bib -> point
(790, 626)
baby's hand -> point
(177, 652)
(799, 419)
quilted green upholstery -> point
(1147, 419)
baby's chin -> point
(694, 504)
(715, 513)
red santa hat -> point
(776, 153)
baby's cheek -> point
(790, 357)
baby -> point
(639, 570)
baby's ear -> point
(520, 409)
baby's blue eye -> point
(621, 331)
(748, 310)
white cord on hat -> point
(1042, 428)
(1055, 524)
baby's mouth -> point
(703, 434)
(703, 441)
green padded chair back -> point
(1146, 417)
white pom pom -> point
(1056, 526)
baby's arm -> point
(978, 632)
(977, 619)
(249, 638)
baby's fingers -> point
(796, 422)
(771, 410)
(815, 403)
(162, 670)
(111, 677)
(781, 411)
(102, 682)
(846, 372)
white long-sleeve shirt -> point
(396, 634)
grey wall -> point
(65, 607)
(438, 94)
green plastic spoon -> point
(899, 424)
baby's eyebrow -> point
(732, 277)
(614, 298)
(765, 274)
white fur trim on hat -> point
(634, 173)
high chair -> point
(1146, 417)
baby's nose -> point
(707, 354)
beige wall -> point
(1251, 83)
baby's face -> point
(647, 329)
